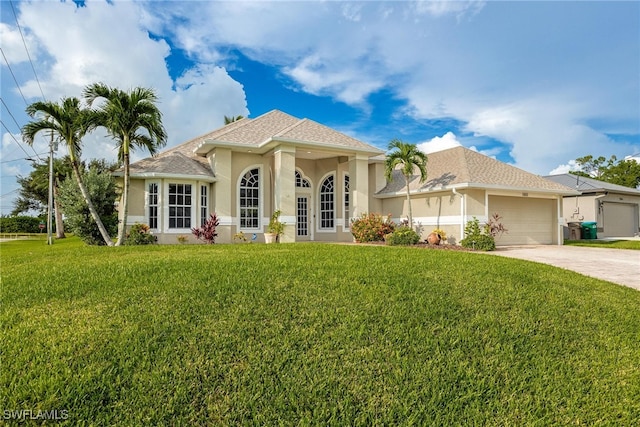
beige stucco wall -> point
(475, 203)
(430, 211)
(136, 197)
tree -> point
(69, 121)
(34, 190)
(102, 187)
(232, 119)
(125, 115)
(614, 171)
(408, 157)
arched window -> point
(327, 204)
(301, 182)
(250, 199)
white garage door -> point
(620, 220)
(529, 221)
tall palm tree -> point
(232, 119)
(69, 121)
(408, 157)
(134, 121)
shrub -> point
(20, 224)
(208, 231)
(402, 236)
(494, 226)
(371, 227)
(102, 191)
(477, 238)
(139, 234)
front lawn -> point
(321, 334)
(613, 244)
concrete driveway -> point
(621, 266)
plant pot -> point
(433, 239)
(270, 237)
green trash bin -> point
(589, 230)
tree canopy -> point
(621, 172)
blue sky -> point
(534, 84)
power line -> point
(14, 77)
(18, 142)
(27, 50)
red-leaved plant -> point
(208, 231)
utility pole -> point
(50, 207)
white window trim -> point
(208, 187)
(261, 208)
(319, 228)
(147, 218)
(165, 207)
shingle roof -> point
(460, 166)
(590, 185)
(172, 163)
(274, 125)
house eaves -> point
(160, 175)
(477, 186)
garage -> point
(530, 221)
(619, 220)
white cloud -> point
(566, 168)
(440, 8)
(439, 143)
(83, 48)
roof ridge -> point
(291, 127)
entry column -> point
(359, 185)
(284, 192)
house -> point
(320, 178)
(615, 208)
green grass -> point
(312, 334)
(613, 244)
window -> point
(179, 205)
(301, 182)
(327, 204)
(346, 201)
(204, 203)
(152, 202)
(250, 200)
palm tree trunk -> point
(57, 209)
(406, 180)
(122, 225)
(92, 209)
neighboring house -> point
(320, 178)
(615, 208)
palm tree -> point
(408, 157)
(124, 115)
(69, 121)
(232, 119)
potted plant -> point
(275, 228)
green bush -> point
(477, 238)
(102, 190)
(139, 235)
(402, 236)
(20, 224)
(371, 227)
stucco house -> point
(615, 208)
(320, 178)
